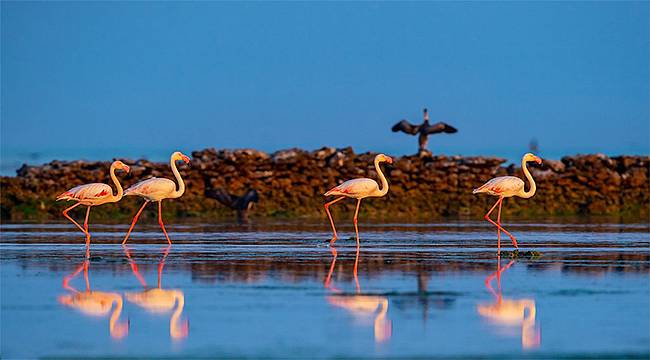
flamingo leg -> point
(162, 264)
(66, 280)
(330, 217)
(134, 267)
(329, 274)
(86, 228)
(86, 275)
(499, 230)
(356, 227)
(487, 217)
(356, 268)
(65, 213)
(160, 221)
(135, 220)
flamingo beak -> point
(389, 159)
(126, 168)
(185, 158)
(538, 160)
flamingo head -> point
(426, 114)
(121, 166)
(382, 157)
(120, 330)
(531, 157)
(180, 156)
(179, 331)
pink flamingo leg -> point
(499, 230)
(66, 280)
(329, 274)
(487, 217)
(134, 267)
(356, 268)
(330, 217)
(86, 227)
(65, 213)
(356, 227)
(161, 265)
(135, 220)
(160, 221)
(86, 275)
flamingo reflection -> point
(511, 313)
(95, 303)
(361, 305)
(159, 300)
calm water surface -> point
(277, 290)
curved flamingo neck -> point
(120, 191)
(173, 321)
(382, 178)
(116, 313)
(533, 187)
(177, 175)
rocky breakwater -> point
(291, 182)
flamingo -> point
(158, 189)
(95, 303)
(359, 305)
(159, 300)
(508, 313)
(94, 194)
(505, 187)
(359, 189)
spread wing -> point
(440, 127)
(245, 200)
(221, 196)
(406, 127)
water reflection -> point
(510, 313)
(359, 305)
(159, 300)
(95, 303)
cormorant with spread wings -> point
(424, 130)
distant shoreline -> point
(291, 183)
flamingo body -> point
(158, 189)
(154, 189)
(93, 195)
(89, 194)
(508, 186)
(356, 188)
(155, 300)
(94, 303)
(505, 186)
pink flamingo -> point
(508, 186)
(359, 189)
(94, 194)
(158, 189)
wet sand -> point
(277, 290)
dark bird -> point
(424, 130)
(241, 204)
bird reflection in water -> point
(95, 303)
(510, 313)
(361, 305)
(159, 300)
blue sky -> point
(107, 78)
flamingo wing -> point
(154, 188)
(406, 127)
(501, 186)
(355, 188)
(94, 191)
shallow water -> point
(277, 290)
